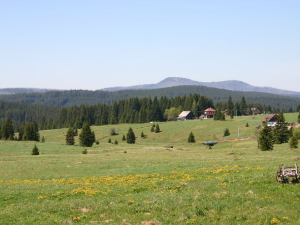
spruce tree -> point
(87, 136)
(266, 138)
(247, 124)
(281, 132)
(226, 132)
(70, 140)
(116, 142)
(298, 117)
(152, 128)
(130, 137)
(35, 151)
(294, 141)
(157, 130)
(7, 130)
(21, 133)
(123, 138)
(142, 134)
(191, 138)
(109, 140)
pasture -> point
(149, 182)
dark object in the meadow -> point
(210, 143)
(84, 151)
(288, 174)
(35, 151)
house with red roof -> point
(209, 113)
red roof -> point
(209, 109)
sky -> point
(72, 44)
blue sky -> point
(72, 44)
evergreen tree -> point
(281, 132)
(7, 130)
(31, 132)
(243, 106)
(294, 141)
(70, 140)
(230, 106)
(266, 138)
(152, 127)
(87, 136)
(21, 133)
(35, 151)
(116, 142)
(298, 117)
(157, 130)
(130, 137)
(142, 134)
(191, 138)
(123, 138)
(226, 132)
(247, 124)
(109, 140)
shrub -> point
(109, 140)
(191, 138)
(35, 151)
(84, 151)
(226, 132)
(247, 125)
(116, 142)
(152, 128)
(112, 131)
(142, 134)
(123, 138)
(97, 142)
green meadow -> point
(161, 179)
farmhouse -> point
(271, 118)
(255, 111)
(209, 113)
(186, 115)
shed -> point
(186, 115)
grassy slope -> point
(233, 183)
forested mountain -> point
(9, 91)
(232, 85)
(78, 97)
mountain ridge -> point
(233, 85)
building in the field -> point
(209, 113)
(186, 115)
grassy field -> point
(149, 182)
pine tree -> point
(87, 136)
(247, 125)
(230, 106)
(298, 117)
(35, 151)
(130, 137)
(281, 132)
(294, 141)
(43, 139)
(226, 132)
(142, 134)
(109, 140)
(266, 138)
(7, 130)
(70, 140)
(31, 132)
(191, 138)
(157, 130)
(152, 127)
(21, 133)
(116, 142)
(123, 138)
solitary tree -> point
(123, 138)
(130, 137)
(191, 138)
(226, 132)
(157, 130)
(152, 127)
(266, 138)
(70, 140)
(142, 134)
(35, 151)
(87, 136)
(294, 141)
(247, 124)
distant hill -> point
(9, 91)
(78, 97)
(233, 85)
